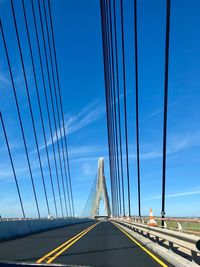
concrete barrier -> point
(17, 228)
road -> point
(90, 244)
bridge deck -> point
(103, 245)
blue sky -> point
(79, 51)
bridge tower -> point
(101, 191)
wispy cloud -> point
(176, 143)
(85, 154)
(20, 165)
(7, 174)
(160, 110)
(86, 116)
(4, 80)
(84, 150)
(121, 96)
(89, 114)
(80, 119)
(189, 193)
(153, 114)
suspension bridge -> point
(55, 233)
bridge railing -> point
(159, 235)
(185, 225)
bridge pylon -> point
(101, 191)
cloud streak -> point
(159, 111)
(4, 80)
(181, 194)
(175, 144)
(80, 120)
(86, 116)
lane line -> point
(142, 247)
(70, 244)
(64, 244)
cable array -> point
(115, 77)
(113, 40)
(113, 108)
(58, 134)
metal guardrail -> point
(179, 223)
(183, 240)
(181, 219)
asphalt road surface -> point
(87, 244)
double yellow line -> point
(52, 255)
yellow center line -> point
(70, 244)
(64, 244)
(141, 246)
